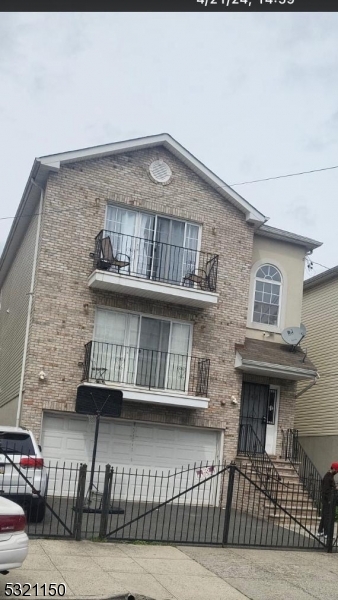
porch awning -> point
(271, 359)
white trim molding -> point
(156, 397)
(146, 288)
(272, 370)
(282, 301)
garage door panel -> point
(129, 446)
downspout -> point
(308, 387)
(30, 303)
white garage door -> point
(129, 447)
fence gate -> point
(203, 504)
(216, 505)
(52, 496)
(270, 514)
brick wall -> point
(64, 306)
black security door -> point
(253, 418)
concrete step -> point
(247, 469)
(282, 461)
(297, 507)
(302, 517)
(285, 469)
(289, 481)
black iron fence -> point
(149, 369)
(203, 503)
(282, 516)
(293, 452)
(155, 260)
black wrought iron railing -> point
(155, 260)
(293, 451)
(151, 369)
(251, 446)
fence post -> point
(81, 487)
(227, 514)
(106, 499)
(332, 518)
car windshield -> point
(16, 443)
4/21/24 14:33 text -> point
(243, 3)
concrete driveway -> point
(103, 570)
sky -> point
(250, 95)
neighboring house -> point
(316, 414)
(132, 266)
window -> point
(141, 350)
(159, 248)
(272, 406)
(268, 285)
(16, 443)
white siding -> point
(316, 409)
(13, 319)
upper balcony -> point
(153, 269)
(154, 376)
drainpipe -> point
(30, 302)
(308, 387)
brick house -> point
(132, 266)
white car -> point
(13, 539)
(22, 449)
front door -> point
(253, 418)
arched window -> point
(268, 286)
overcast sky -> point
(252, 96)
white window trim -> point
(156, 214)
(153, 213)
(149, 316)
(282, 300)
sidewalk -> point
(102, 570)
(272, 574)
(154, 572)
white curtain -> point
(121, 223)
(178, 359)
(115, 349)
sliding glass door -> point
(158, 247)
(153, 353)
(140, 350)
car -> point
(18, 445)
(13, 538)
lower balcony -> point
(150, 376)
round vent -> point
(160, 171)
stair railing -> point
(251, 446)
(294, 453)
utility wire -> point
(310, 263)
(221, 186)
(287, 175)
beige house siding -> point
(64, 306)
(316, 409)
(13, 322)
(289, 259)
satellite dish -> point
(293, 335)
(303, 329)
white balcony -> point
(148, 376)
(154, 270)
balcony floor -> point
(145, 288)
